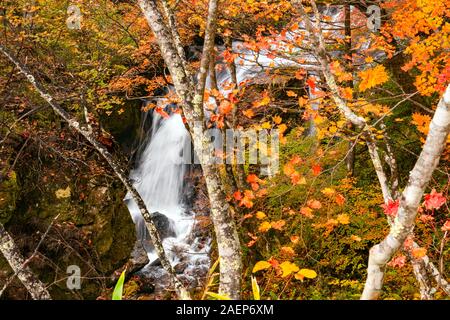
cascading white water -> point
(159, 180)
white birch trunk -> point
(410, 200)
(18, 264)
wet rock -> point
(180, 267)
(164, 225)
(139, 258)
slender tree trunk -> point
(226, 172)
(419, 178)
(192, 104)
(350, 161)
(237, 169)
(117, 168)
(8, 248)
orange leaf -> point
(253, 178)
(287, 251)
(278, 225)
(340, 199)
(418, 252)
(372, 77)
(254, 186)
(277, 119)
(307, 212)
(446, 226)
(314, 204)
(249, 113)
(225, 107)
(291, 93)
(297, 178)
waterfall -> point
(158, 178)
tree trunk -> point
(350, 160)
(419, 178)
(8, 248)
(192, 104)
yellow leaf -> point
(265, 226)
(266, 125)
(343, 218)
(288, 268)
(355, 238)
(264, 101)
(255, 289)
(63, 193)
(328, 191)
(261, 265)
(308, 273)
(260, 215)
(333, 129)
(372, 77)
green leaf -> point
(255, 289)
(217, 296)
(118, 289)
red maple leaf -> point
(253, 178)
(434, 200)
(391, 208)
(237, 195)
(163, 113)
(316, 169)
(311, 84)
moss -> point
(124, 126)
(9, 190)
